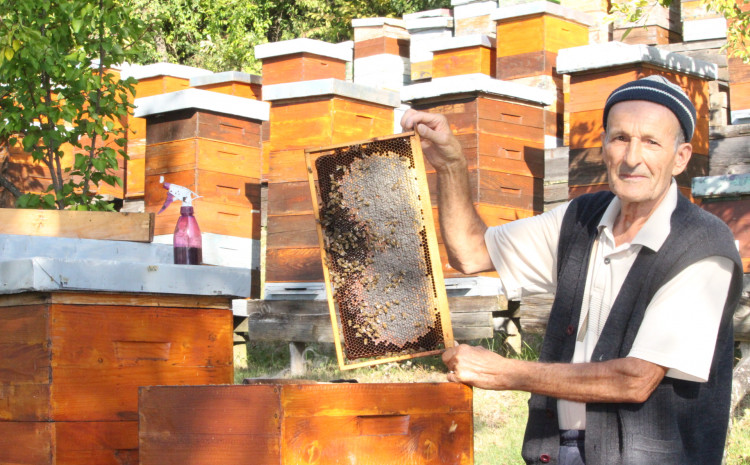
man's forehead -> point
(646, 111)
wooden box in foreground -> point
(279, 424)
(71, 365)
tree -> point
(56, 89)
(219, 35)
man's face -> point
(639, 150)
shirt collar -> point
(657, 227)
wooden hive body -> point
(71, 366)
(466, 60)
(503, 142)
(217, 156)
(373, 424)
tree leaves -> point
(55, 88)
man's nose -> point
(633, 155)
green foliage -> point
(55, 89)
(219, 35)
(636, 12)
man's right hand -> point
(439, 145)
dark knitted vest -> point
(682, 422)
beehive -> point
(71, 364)
(285, 424)
(379, 249)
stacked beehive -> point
(424, 27)
(473, 17)
(311, 106)
(210, 143)
(155, 79)
(596, 71)
(501, 128)
(529, 38)
(381, 53)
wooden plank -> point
(27, 443)
(213, 217)
(285, 198)
(310, 321)
(562, 33)
(160, 85)
(381, 45)
(292, 231)
(236, 88)
(102, 442)
(294, 265)
(116, 226)
(739, 97)
(209, 424)
(540, 62)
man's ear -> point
(682, 158)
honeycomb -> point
(386, 283)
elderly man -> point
(636, 363)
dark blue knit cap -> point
(659, 90)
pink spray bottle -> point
(188, 245)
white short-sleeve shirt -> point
(681, 322)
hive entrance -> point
(382, 267)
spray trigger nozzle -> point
(174, 191)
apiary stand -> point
(78, 336)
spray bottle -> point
(188, 246)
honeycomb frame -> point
(381, 261)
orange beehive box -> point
(215, 154)
(231, 83)
(416, 423)
(302, 60)
(71, 365)
(463, 55)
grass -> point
(499, 416)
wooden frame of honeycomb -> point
(381, 261)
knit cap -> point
(659, 90)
